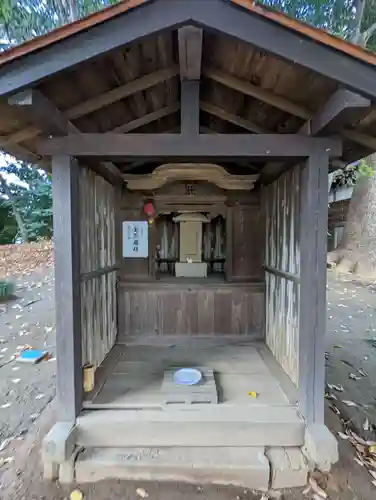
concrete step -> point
(212, 426)
(289, 468)
(246, 467)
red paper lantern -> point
(149, 209)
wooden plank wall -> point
(282, 261)
(246, 243)
(97, 266)
(173, 309)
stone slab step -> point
(215, 426)
(246, 467)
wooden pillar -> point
(67, 286)
(229, 242)
(312, 321)
(190, 107)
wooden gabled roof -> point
(118, 70)
(55, 36)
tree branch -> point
(366, 35)
(359, 11)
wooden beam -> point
(288, 44)
(97, 102)
(257, 92)
(363, 139)
(207, 130)
(330, 119)
(199, 147)
(149, 118)
(335, 114)
(42, 112)
(67, 287)
(52, 122)
(119, 93)
(229, 117)
(190, 52)
(355, 101)
(312, 308)
(190, 107)
(24, 154)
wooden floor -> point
(132, 375)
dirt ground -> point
(351, 320)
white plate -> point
(187, 376)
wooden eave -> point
(118, 70)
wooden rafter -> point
(50, 120)
(97, 102)
(150, 117)
(336, 113)
(330, 119)
(284, 104)
(189, 146)
(229, 117)
(257, 92)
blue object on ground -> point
(31, 356)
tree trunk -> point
(20, 223)
(357, 250)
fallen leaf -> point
(306, 490)
(330, 396)
(338, 388)
(316, 488)
(31, 302)
(335, 409)
(357, 438)
(349, 403)
(76, 495)
(347, 363)
(5, 461)
(343, 436)
(5, 443)
(366, 425)
(142, 493)
(253, 394)
(358, 461)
